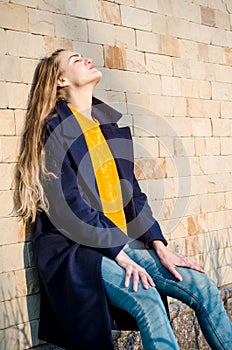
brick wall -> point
(167, 65)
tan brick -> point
(221, 91)
(219, 183)
(9, 148)
(135, 18)
(70, 28)
(199, 146)
(192, 246)
(169, 45)
(222, 127)
(125, 37)
(171, 86)
(195, 166)
(7, 73)
(13, 17)
(176, 227)
(218, 5)
(222, 20)
(126, 2)
(148, 42)
(178, 126)
(221, 38)
(6, 209)
(101, 33)
(216, 54)
(181, 68)
(7, 122)
(9, 230)
(166, 149)
(87, 9)
(223, 73)
(8, 287)
(12, 257)
(135, 61)
(211, 109)
(214, 164)
(110, 12)
(228, 55)
(159, 64)
(203, 52)
(228, 200)
(226, 146)
(168, 105)
(115, 57)
(198, 70)
(208, 16)
(226, 109)
(224, 273)
(54, 6)
(212, 145)
(19, 121)
(26, 282)
(190, 88)
(149, 83)
(178, 245)
(17, 95)
(4, 102)
(186, 10)
(193, 226)
(188, 49)
(199, 184)
(51, 44)
(159, 23)
(31, 46)
(150, 168)
(94, 51)
(7, 175)
(212, 202)
(184, 146)
(117, 80)
(145, 147)
(138, 103)
(41, 22)
(27, 67)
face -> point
(77, 71)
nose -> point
(88, 60)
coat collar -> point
(104, 113)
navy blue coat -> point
(69, 242)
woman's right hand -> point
(135, 270)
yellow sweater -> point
(104, 169)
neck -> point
(82, 101)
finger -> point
(175, 273)
(150, 281)
(192, 265)
(135, 281)
(144, 280)
(127, 278)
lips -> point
(92, 67)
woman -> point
(95, 242)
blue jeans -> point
(196, 290)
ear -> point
(62, 82)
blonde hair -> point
(31, 169)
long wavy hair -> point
(31, 170)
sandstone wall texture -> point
(167, 66)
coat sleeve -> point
(69, 211)
(152, 227)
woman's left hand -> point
(170, 260)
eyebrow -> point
(75, 55)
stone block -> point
(199, 146)
(135, 18)
(135, 61)
(171, 86)
(221, 182)
(125, 37)
(228, 198)
(201, 127)
(222, 6)
(226, 109)
(71, 28)
(212, 146)
(203, 52)
(41, 22)
(169, 46)
(228, 55)
(17, 95)
(31, 46)
(194, 107)
(159, 23)
(226, 146)
(184, 146)
(14, 17)
(222, 127)
(212, 202)
(56, 6)
(19, 121)
(223, 73)
(211, 108)
(150, 168)
(9, 228)
(222, 20)
(8, 286)
(84, 9)
(192, 245)
(198, 70)
(188, 49)
(115, 57)
(7, 200)
(4, 103)
(186, 10)
(145, 147)
(7, 176)
(27, 68)
(101, 33)
(181, 68)
(158, 64)
(147, 41)
(94, 51)
(148, 84)
(7, 73)
(12, 257)
(52, 44)
(110, 12)
(7, 122)
(26, 281)
(208, 16)
(221, 38)
(126, 2)
(216, 54)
